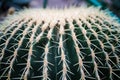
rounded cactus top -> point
(55, 15)
(67, 44)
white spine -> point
(79, 54)
(92, 51)
(43, 28)
(8, 40)
(30, 52)
(16, 50)
(65, 67)
(46, 52)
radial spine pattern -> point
(67, 44)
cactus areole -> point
(68, 44)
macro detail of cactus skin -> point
(68, 44)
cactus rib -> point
(66, 44)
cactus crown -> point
(69, 44)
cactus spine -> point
(69, 44)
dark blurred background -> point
(8, 7)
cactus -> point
(67, 44)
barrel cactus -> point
(66, 44)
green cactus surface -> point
(60, 44)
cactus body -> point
(69, 44)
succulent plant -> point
(67, 44)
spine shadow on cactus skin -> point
(68, 50)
